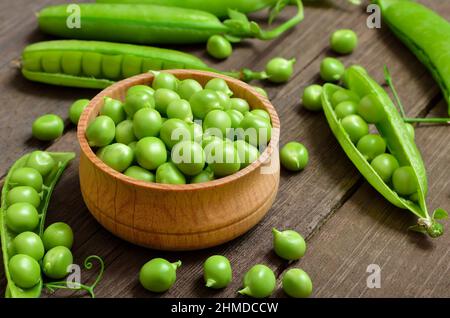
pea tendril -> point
(388, 78)
(52, 286)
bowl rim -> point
(136, 80)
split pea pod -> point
(93, 64)
(394, 131)
(50, 165)
(425, 33)
(152, 24)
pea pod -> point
(152, 24)
(425, 33)
(393, 129)
(94, 64)
(61, 159)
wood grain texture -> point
(179, 217)
(306, 202)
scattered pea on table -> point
(294, 156)
(158, 275)
(48, 127)
(343, 41)
(331, 69)
(280, 70)
(219, 47)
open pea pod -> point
(425, 33)
(61, 160)
(399, 143)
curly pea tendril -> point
(88, 264)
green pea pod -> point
(425, 33)
(61, 159)
(151, 24)
(394, 131)
(217, 7)
(97, 65)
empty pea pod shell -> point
(93, 64)
(61, 160)
(152, 24)
(393, 129)
(425, 33)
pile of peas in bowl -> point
(179, 132)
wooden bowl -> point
(179, 217)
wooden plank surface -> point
(322, 202)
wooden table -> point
(348, 225)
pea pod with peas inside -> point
(94, 64)
(24, 278)
(153, 24)
(391, 126)
(425, 33)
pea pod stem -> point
(426, 120)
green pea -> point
(101, 131)
(224, 100)
(189, 158)
(125, 132)
(247, 153)
(76, 109)
(163, 98)
(235, 117)
(23, 194)
(132, 146)
(204, 176)
(312, 97)
(218, 120)
(29, 243)
(355, 67)
(331, 69)
(257, 130)
(158, 275)
(91, 64)
(165, 80)
(261, 113)
(24, 270)
(113, 108)
(173, 131)
(138, 100)
(180, 109)
(218, 85)
(239, 104)
(26, 177)
(139, 173)
(370, 146)
(217, 272)
(343, 95)
(370, 109)
(404, 181)
(147, 122)
(57, 234)
(385, 165)
(219, 47)
(203, 102)
(414, 197)
(150, 153)
(410, 129)
(223, 159)
(188, 87)
(280, 70)
(210, 139)
(140, 88)
(288, 244)
(196, 132)
(48, 127)
(346, 108)
(343, 41)
(118, 156)
(297, 284)
(355, 127)
(259, 282)
(56, 262)
(21, 217)
(168, 173)
(261, 91)
(294, 156)
(42, 161)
